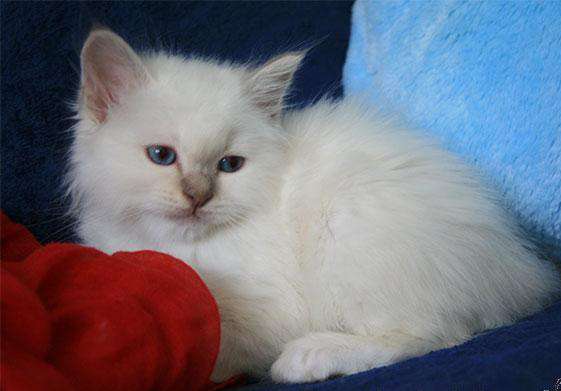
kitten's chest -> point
(259, 251)
(254, 266)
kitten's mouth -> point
(195, 214)
(186, 214)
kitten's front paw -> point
(303, 361)
(318, 356)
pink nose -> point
(198, 200)
(198, 189)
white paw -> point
(318, 356)
(301, 361)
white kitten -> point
(339, 244)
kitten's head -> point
(186, 143)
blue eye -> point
(231, 163)
(161, 154)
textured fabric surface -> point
(74, 318)
(483, 78)
(41, 42)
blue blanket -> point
(484, 78)
(40, 46)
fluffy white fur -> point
(344, 243)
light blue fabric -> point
(482, 77)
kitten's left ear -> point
(269, 83)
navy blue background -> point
(41, 43)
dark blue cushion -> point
(523, 357)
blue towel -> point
(484, 78)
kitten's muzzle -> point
(198, 190)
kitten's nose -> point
(197, 188)
(198, 200)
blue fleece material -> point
(484, 78)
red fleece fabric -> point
(75, 318)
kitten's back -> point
(431, 235)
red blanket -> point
(74, 318)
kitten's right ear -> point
(110, 70)
(269, 83)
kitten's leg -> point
(318, 356)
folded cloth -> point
(75, 318)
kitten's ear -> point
(110, 69)
(269, 83)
